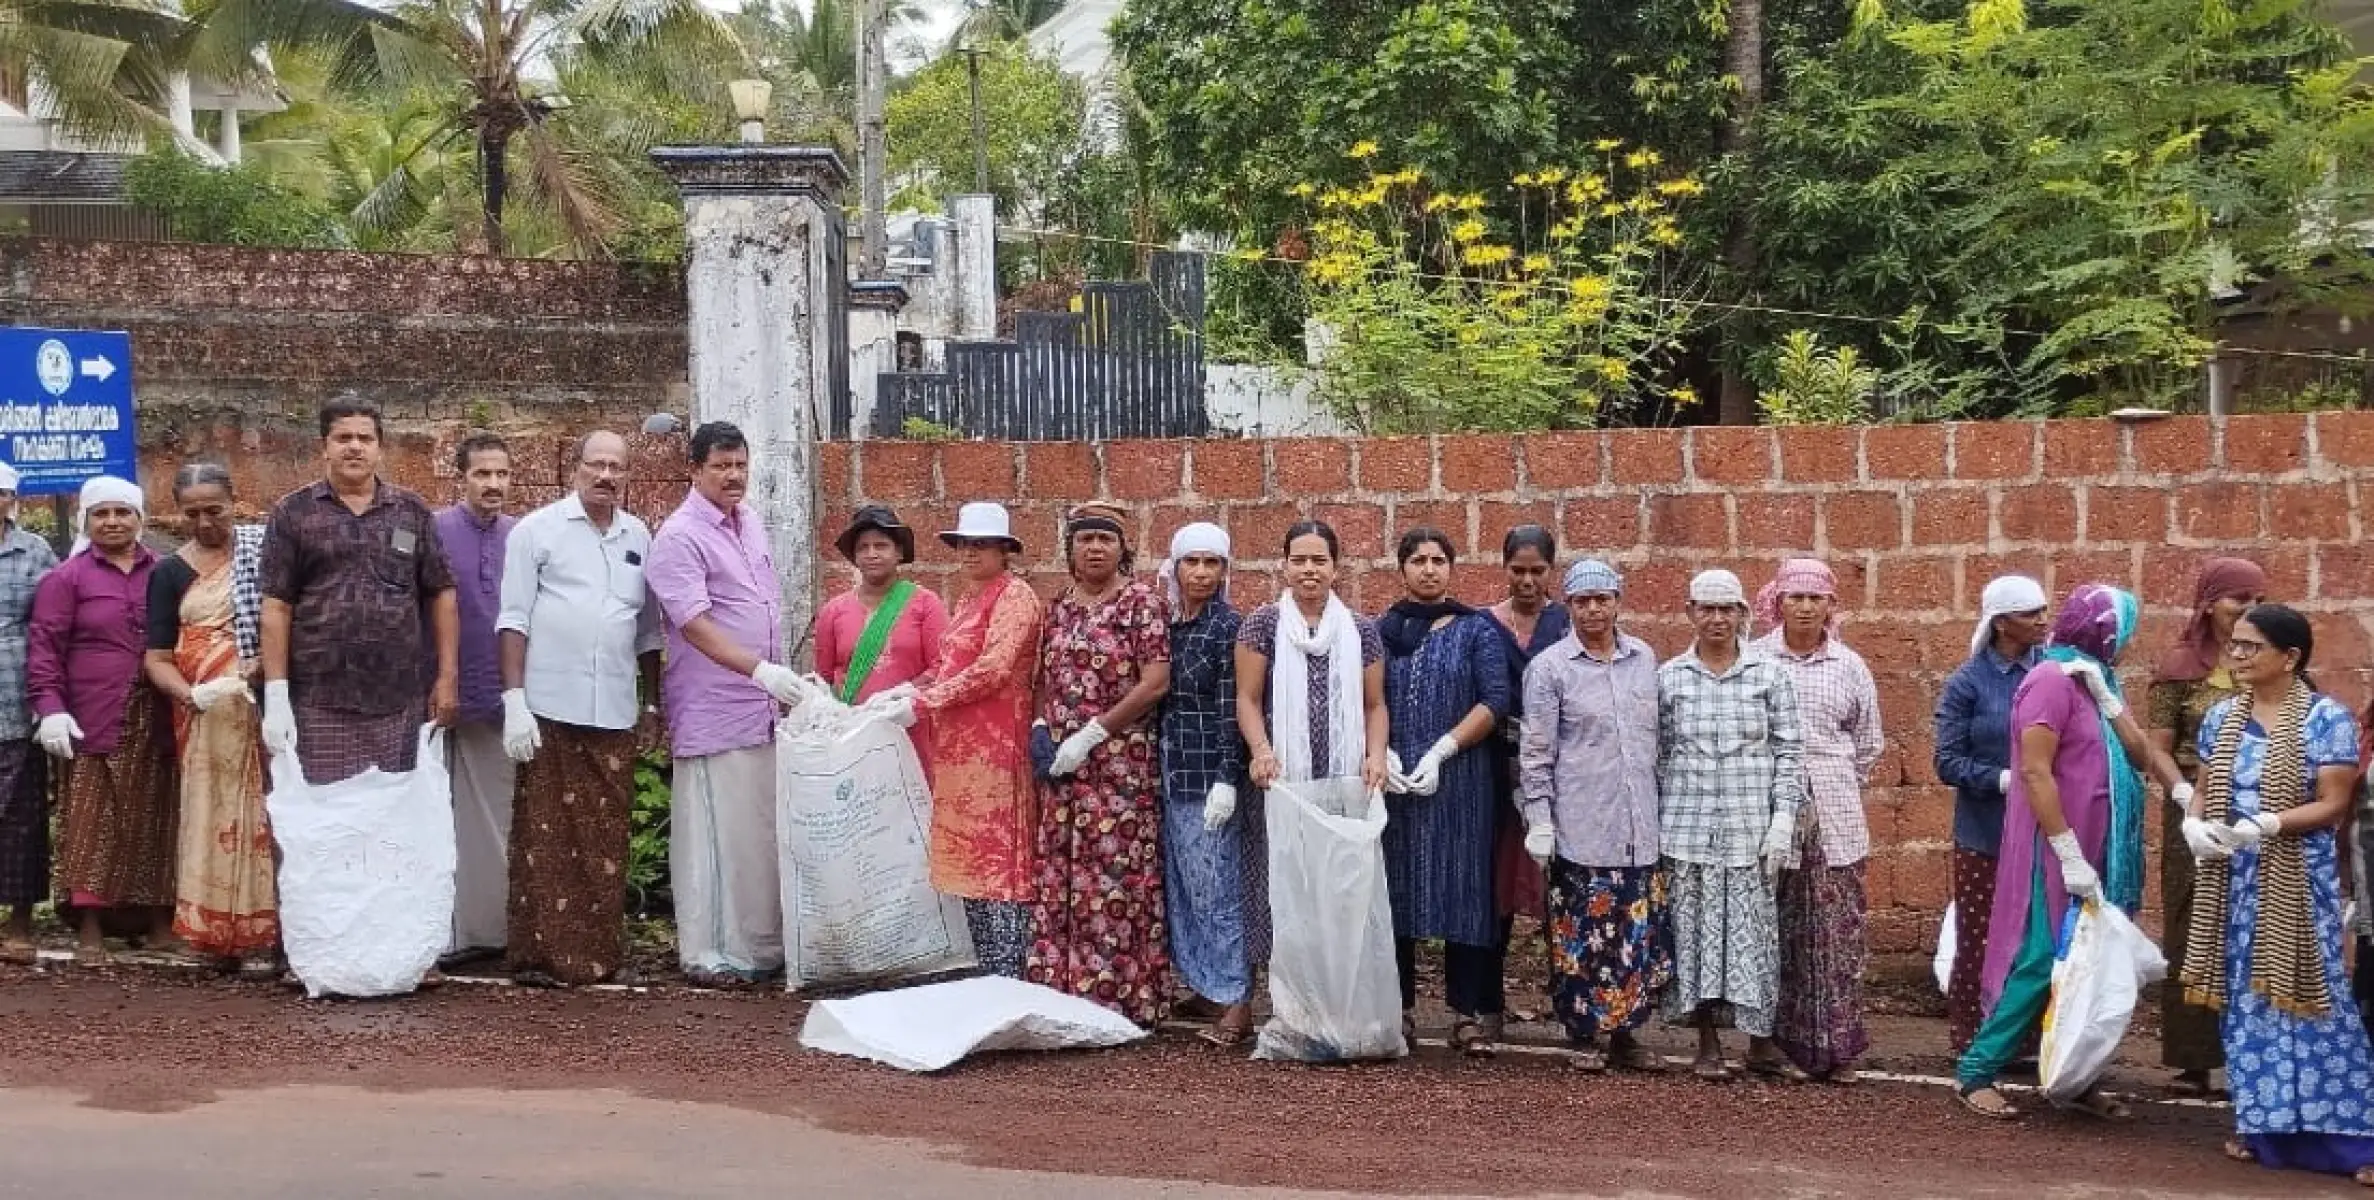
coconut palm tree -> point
(104, 69)
(481, 63)
(987, 21)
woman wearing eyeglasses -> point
(2264, 950)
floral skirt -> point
(1609, 953)
(1820, 1021)
(571, 816)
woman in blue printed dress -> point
(1446, 687)
(2264, 946)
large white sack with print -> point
(2104, 962)
(853, 831)
(366, 873)
(930, 1027)
(1333, 988)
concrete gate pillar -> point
(766, 299)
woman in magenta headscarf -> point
(2190, 680)
(2073, 830)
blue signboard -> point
(65, 407)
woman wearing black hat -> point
(886, 631)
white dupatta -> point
(1338, 638)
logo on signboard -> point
(54, 366)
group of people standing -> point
(2261, 775)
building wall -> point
(1915, 519)
(233, 348)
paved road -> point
(124, 1084)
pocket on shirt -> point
(626, 583)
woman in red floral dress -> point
(1104, 664)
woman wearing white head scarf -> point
(1214, 856)
(1974, 757)
(104, 722)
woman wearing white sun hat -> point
(984, 814)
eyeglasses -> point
(2244, 647)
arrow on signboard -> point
(98, 367)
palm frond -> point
(571, 192)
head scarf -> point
(1796, 577)
(1097, 516)
(1717, 587)
(1202, 537)
(2005, 595)
(2196, 651)
(98, 492)
(2097, 622)
(1591, 575)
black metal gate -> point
(1129, 364)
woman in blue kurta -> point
(1446, 687)
(1214, 856)
(1530, 621)
(2265, 943)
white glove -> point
(1073, 750)
(2251, 830)
(895, 705)
(280, 721)
(2003, 781)
(1779, 839)
(2091, 676)
(206, 696)
(1395, 781)
(1219, 806)
(1541, 841)
(1428, 774)
(57, 735)
(2202, 837)
(521, 737)
(2077, 875)
(2181, 796)
(781, 682)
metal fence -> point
(1129, 364)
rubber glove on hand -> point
(781, 682)
(57, 735)
(2003, 781)
(280, 720)
(521, 737)
(2077, 875)
(895, 705)
(1395, 780)
(206, 696)
(1042, 752)
(1218, 806)
(2087, 673)
(1428, 774)
(2201, 837)
(2181, 796)
(1074, 750)
(1541, 841)
(1780, 839)
(2249, 831)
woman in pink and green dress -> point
(886, 631)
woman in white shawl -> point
(1308, 671)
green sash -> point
(876, 636)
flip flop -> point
(2239, 1152)
(1968, 1098)
(1226, 1036)
(1777, 1068)
(1712, 1070)
(2101, 1106)
(19, 954)
(1590, 1062)
(1632, 1056)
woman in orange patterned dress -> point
(200, 647)
(984, 816)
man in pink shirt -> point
(723, 687)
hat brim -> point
(899, 534)
(956, 540)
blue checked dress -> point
(1216, 882)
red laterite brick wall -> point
(1915, 519)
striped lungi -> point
(334, 745)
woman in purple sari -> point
(2073, 830)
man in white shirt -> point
(579, 633)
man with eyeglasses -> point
(580, 642)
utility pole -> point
(972, 68)
(873, 82)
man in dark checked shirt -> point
(349, 565)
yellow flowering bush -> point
(1440, 312)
